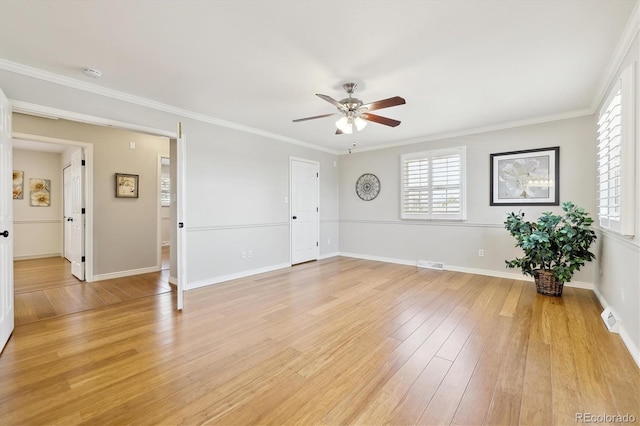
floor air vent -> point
(430, 265)
(611, 320)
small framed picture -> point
(126, 185)
(526, 178)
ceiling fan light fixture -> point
(360, 123)
(345, 124)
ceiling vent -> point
(430, 265)
(611, 320)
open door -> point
(76, 195)
(6, 223)
(66, 187)
(180, 188)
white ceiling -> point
(459, 64)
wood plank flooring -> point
(340, 341)
(45, 288)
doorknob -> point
(294, 217)
(5, 234)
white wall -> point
(618, 265)
(236, 183)
(374, 228)
(38, 231)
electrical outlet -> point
(250, 253)
(328, 241)
(481, 253)
(622, 295)
(243, 254)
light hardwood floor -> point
(44, 288)
(340, 341)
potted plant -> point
(554, 247)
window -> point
(165, 191)
(615, 156)
(432, 185)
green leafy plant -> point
(556, 243)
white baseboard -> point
(235, 276)
(37, 256)
(328, 255)
(173, 280)
(166, 243)
(121, 274)
(488, 272)
(624, 335)
(379, 258)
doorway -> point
(164, 217)
(305, 210)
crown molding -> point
(483, 129)
(56, 113)
(138, 100)
(622, 48)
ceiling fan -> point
(355, 113)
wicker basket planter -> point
(547, 283)
(553, 247)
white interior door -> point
(66, 182)
(6, 223)
(304, 210)
(76, 195)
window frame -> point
(429, 156)
(624, 222)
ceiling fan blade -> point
(339, 132)
(313, 118)
(385, 103)
(331, 101)
(381, 120)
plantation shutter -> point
(432, 185)
(616, 156)
(609, 163)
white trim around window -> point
(616, 157)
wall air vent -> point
(611, 320)
(430, 265)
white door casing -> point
(76, 193)
(305, 206)
(181, 195)
(6, 223)
(66, 182)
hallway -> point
(44, 288)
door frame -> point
(50, 112)
(317, 164)
(88, 192)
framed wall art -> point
(18, 185)
(40, 192)
(526, 178)
(126, 185)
